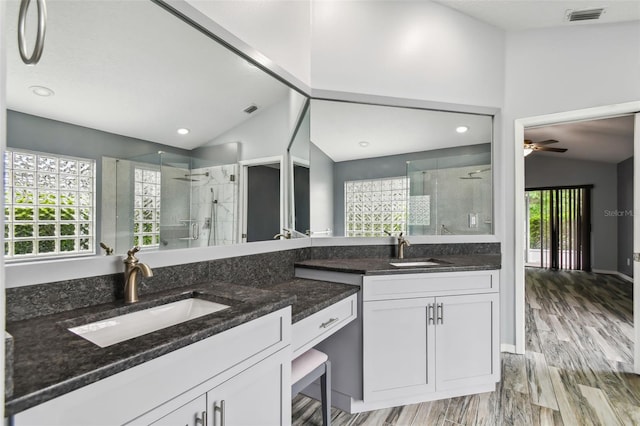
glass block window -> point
(146, 207)
(49, 205)
(375, 205)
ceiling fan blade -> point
(547, 142)
(546, 148)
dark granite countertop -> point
(50, 361)
(312, 296)
(382, 266)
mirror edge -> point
(390, 101)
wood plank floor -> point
(577, 370)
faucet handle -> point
(131, 258)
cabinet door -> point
(398, 343)
(190, 414)
(259, 396)
(467, 341)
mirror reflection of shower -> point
(450, 192)
(169, 201)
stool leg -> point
(325, 389)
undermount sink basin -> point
(414, 264)
(124, 327)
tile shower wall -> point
(214, 205)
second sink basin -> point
(124, 327)
(417, 263)
(413, 264)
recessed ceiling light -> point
(42, 91)
(462, 129)
(183, 131)
(363, 144)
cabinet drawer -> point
(317, 327)
(403, 286)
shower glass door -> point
(450, 195)
(172, 201)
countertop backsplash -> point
(256, 270)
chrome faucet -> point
(286, 235)
(131, 268)
(402, 242)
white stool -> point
(308, 367)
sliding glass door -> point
(558, 227)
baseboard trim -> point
(625, 277)
(505, 347)
(616, 273)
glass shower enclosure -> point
(451, 195)
(171, 201)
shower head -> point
(472, 175)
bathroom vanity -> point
(424, 333)
(201, 372)
(394, 334)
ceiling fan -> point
(530, 146)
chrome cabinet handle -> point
(430, 313)
(440, 313)
(201, 421)
(221, 410)
(328, 323)
(42, 27)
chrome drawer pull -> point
(202, 421)
(328, 323)
(440, 313)
(221, 410)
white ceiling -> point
(608, 140)
(338, 127)
(131, 68)
(515, 15)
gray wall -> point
(544, 171)
(625, 219)
(41, 134)
(389, 166)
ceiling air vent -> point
(251, 108)
(584, 14)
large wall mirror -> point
(385, 169)
(137, 128)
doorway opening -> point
(262, 202)
(520, 214)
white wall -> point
(407, 49)
(553, 70)
(279, 29)
(265, 134)
(3, 146)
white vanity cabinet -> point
(193, 413)
(416, 345)
(252, 398)
(421, 337)
(248, 367)
(398, 341)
